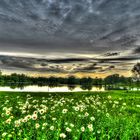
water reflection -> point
(35, 88)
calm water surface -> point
(49, 89)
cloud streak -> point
(66, 65)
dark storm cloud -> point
(88, 68)
(137, 50)
(72, 65)
(121, 59)
(27, 64)
(67, 29)
(17, 63)
(112, 54)
(68, 60)
(35, 23)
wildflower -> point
(86, 114)
(110, 101)
(109, 97)
(107, 114)
(82, 129)
(17, 123)
(4, 108)
(25, 120)
(52, 128)
(11, 117)
(45, 109)
(7, 112)
(44, 124)
(92, 118)
(2, 115)
(17, 97)
(68, 129)
(66, 123)
(35, 112)
(71, 125)
(10, 135)
(8, 121)
(113, 106)
(23, 111)
(53, 119)
(62, 135)
(41, 111)
(28, 117)
(44, 117)
(124, 104)
(4, 134)
(29, 106)
(37, 125)
(116, 102)
(34, 116)
(98, 103)
(76, 108)
(28, 95)
(64, 111)
(90, 126)
(98, 131)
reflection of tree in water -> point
(99, 87)
(86, 83)
(13, 86)
(71, 87)
(52, 85)
(21, 86)
(114, 81)
(17, 85)
(86, 87)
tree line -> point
(22, 79)
(114, 80)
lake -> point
(50, 89)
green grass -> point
(112, 115)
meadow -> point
(112, 115)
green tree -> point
(136, 74)
(136, 71)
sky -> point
(69, 37)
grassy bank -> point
(112, 115)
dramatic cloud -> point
(137, 50)
(69, 35)
(112, 53)
(65, 65)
